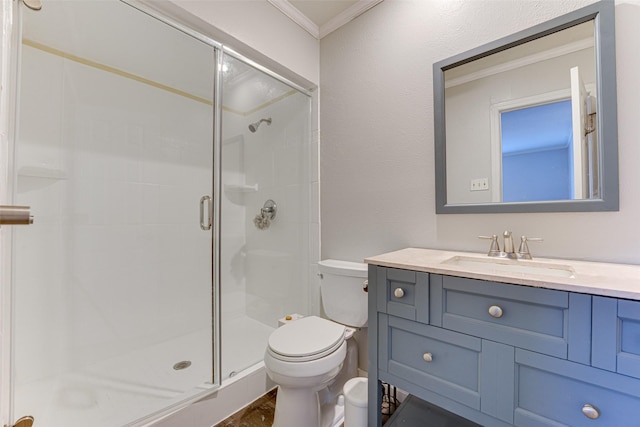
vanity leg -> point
(376, 276)
(375, 395)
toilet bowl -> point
(311, 358)
(304, 357)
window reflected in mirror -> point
(537, 165)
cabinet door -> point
(403, 293)
(441, 361)
(616, 335)
(553, 393)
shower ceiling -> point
(246, 89)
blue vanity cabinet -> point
(502, 355)
(616, 335)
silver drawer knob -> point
(398, 293)
(495, 311)
(590, 411)
(428, 357)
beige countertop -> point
(597, 278)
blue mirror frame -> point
(603, 15)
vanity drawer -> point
(616, 335)
(441, 361)
(553, 392)
(531, 318)
(403, 293)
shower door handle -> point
(205, 223)
(15, 215)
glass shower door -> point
(265, 214)
(114, 150)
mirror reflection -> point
(521, 123)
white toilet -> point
(312, 358)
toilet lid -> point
(306, 339)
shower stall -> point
(149, 154)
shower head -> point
(254, 126)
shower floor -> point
(118, 391)
(244, 341)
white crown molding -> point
(348, 15)
(296, 16)
(338, 21)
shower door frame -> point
(216, 317)
(9, 50)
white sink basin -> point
(504, 265)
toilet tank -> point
(342, 288)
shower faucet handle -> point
(269, 209)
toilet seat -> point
(306, 339)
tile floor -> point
(257, 414)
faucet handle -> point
(494, 249)
(523, 250)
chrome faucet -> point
(507, 239)
(508, 248)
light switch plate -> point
(479, 184)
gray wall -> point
(377, 177)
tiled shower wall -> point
(276, 160)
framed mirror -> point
(528, 123)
